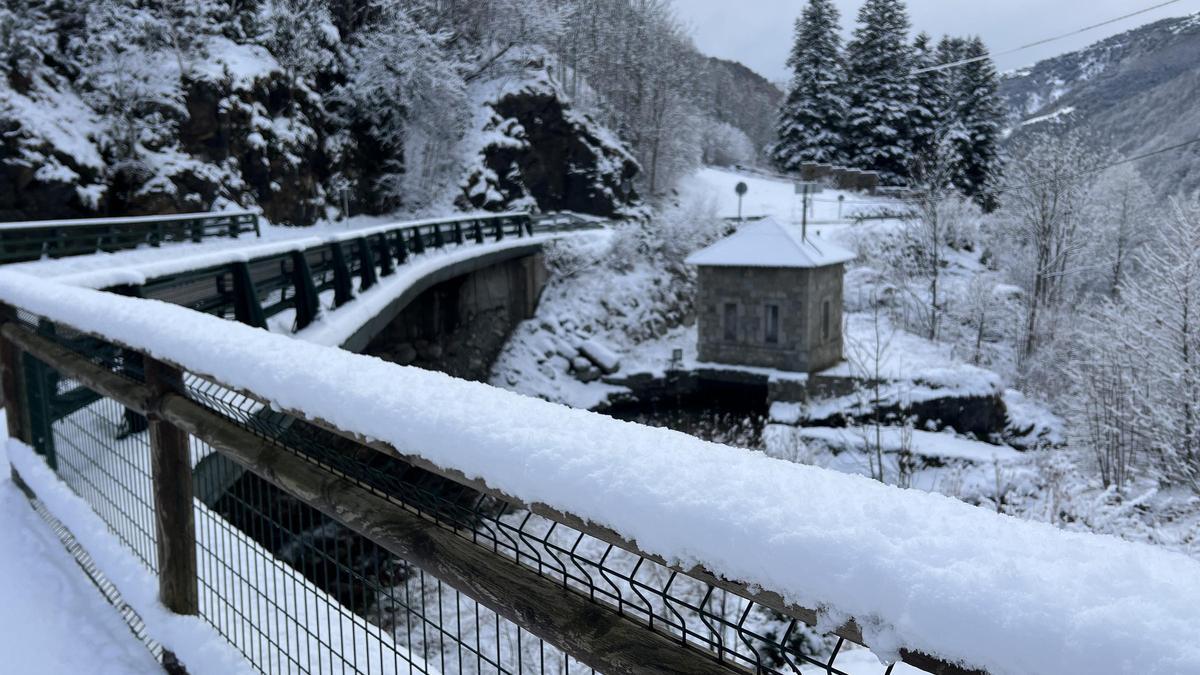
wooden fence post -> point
(174, 517)
(10, 379)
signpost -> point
(806, 189)
(741, 191)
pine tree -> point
(978, 104)
(883, 90)
(812, 118)
(932, 101)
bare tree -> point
(1123, 219)
(1044, 219)
(1103, 403)
(868, 359)
(1160, 312)
(934, 226)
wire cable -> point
(956, 64)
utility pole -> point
(804, 216)
(806, 189)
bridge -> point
(386, 519)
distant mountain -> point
(1135, 92)
(736, 94)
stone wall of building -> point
(800, 295)
(825, 284)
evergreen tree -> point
(883, 90)
(978, 105)
(812, 118)
(932, 100)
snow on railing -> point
(915, 571)
(30, 240)
(127, 220)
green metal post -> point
(366, 263)
(401, 247)
(478, 232)
(343, 285)
(306, 301)
(41, 383)
(247, 308)
(386, 265)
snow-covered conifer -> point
(813, 115)
(978, 104)
(882, 89)
(932, 103)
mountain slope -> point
(739, 96)
(1135, 92)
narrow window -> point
(825, 320)
(772, 332)
(731, 320)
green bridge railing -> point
(255, 290)
(25, 241)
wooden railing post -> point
(174, 517)
(15, 404)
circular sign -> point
(742, 189)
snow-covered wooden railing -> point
(31, 240)
(942, 585)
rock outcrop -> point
(537, 150)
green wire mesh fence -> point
(296, 592)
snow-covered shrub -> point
(726, 145)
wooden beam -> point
(590, 632)
(131, 394)
(136, 397)
(174, 517)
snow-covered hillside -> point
(626, 293)
(1132, 93)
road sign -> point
(741, 189)
(809, 188)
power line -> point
(1031, 45)
(1098, 169)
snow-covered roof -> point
(768, 243)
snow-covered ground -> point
(773, 197)
(52, 619)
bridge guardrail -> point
(422, 570)
(24, 241)
(263, 287)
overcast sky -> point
(759, 32)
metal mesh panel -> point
(296, 592)
(728, 626)
(101, 452)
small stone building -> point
(771, 298)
